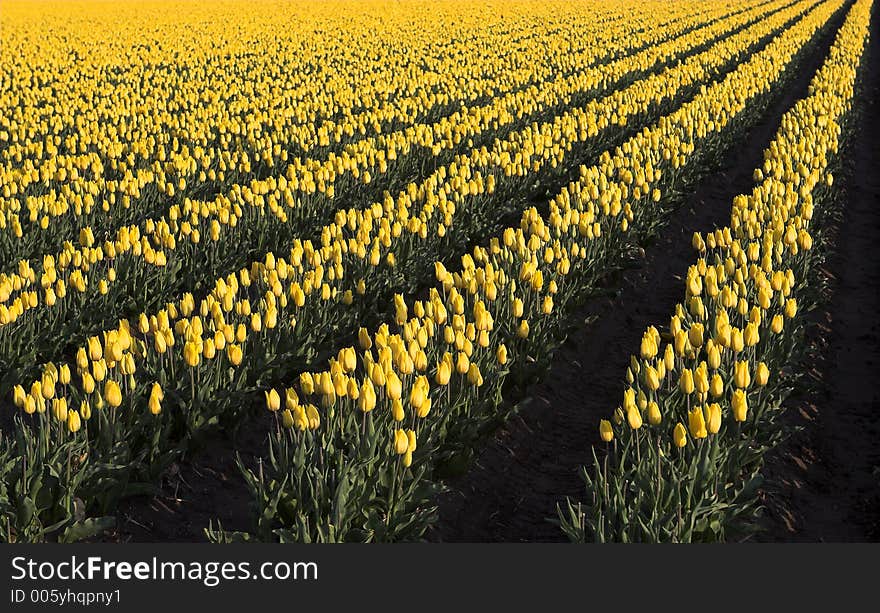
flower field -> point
(328, 248)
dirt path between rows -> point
(534, 462)
(824, 482)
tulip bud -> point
(313, 417)
(82, 359)
(606, 433)
(634, 418)
(112, 393)
(713, 418)
(679, 436)
(762, 374)
(714, 357)
(741, 376)
(307, 383)
(654, 416)
(401, 442)
(474, 375)
(364, 339)
(287, 419)
(669, 358)
(18, 396)
(652, 379)
(740, 405)
(273, 400)
(367, 398)
(419, 392)
(155, 401)
(695, 335)
(73, 421)
(697, 423)
(397, 412)
(751, 335)
(686, 381)
(191, 354)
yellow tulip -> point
(741, 376)
(697, 423)
(18, 396)
(401, 442)
(606, 432)
(307, 383)
(686, 381)
(112, 393)
(419, 392)
(654, 417)
(156, 397)
(367, 399)
(73, 421)
(273, 400)
(191, 354)
(634, 418)
(739, 404)
(679, 436)
(762, 374)
(474, 375)
(695, 335)
(287, 419)
(713, 418)
(652, 379)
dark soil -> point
(535, 460)
(823, 484)
(195, 493)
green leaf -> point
(87, 528)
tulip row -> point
(283, 188)
(303, 273)
(214, 342)
(122, 177)
(243, 218)
(701, 408)
(418, 389)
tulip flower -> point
(367, 399)
(741, 376)
(654, 416)
(762, 374)
(112, 393)
(713, 417)
(401, 442)
(155, 400)
(606, 433)
(697, 423)
(652, 379)
(634, 418)
(679, 436)
(273, 400)
(73, 421)
(739, 404)
(686, 381)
